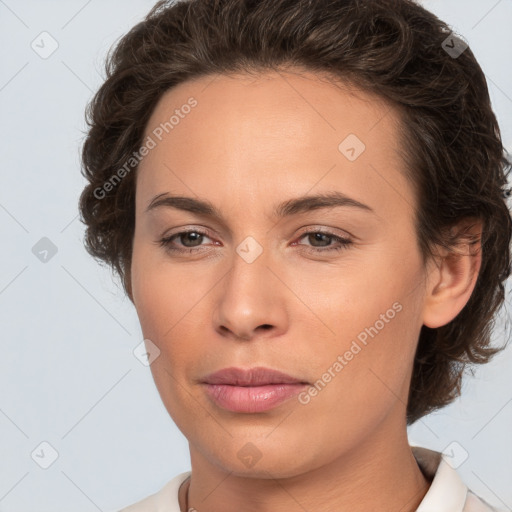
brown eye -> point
(189, 241)
(193, 236)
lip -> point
(257, 376)
(251, 390)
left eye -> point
(320, 236)
(196, 237)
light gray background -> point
(67, 373)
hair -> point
(449, 136)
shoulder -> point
(476, 504)
(164, 500)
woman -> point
(305, 201)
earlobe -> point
(453, 281)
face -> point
(328, 291)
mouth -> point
(251, 390)
(258, 376)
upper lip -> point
(257, 376)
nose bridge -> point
(249, 275)
(247, 297)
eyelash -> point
(166, 242)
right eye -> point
(169, 244)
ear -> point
(454, 275)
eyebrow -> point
(287, 208)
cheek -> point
(170, 305)
(360, 380)
(366, 360)
(164, 294)
(162, 303)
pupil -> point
(195, 235)
(318, 236)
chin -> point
(261, 458)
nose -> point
(250, 301)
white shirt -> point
(447, 492)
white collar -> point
(447, 492)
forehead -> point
(279, 129)
(290, 105)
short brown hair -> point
(451, 142)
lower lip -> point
(252, 398)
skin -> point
(250, 143)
